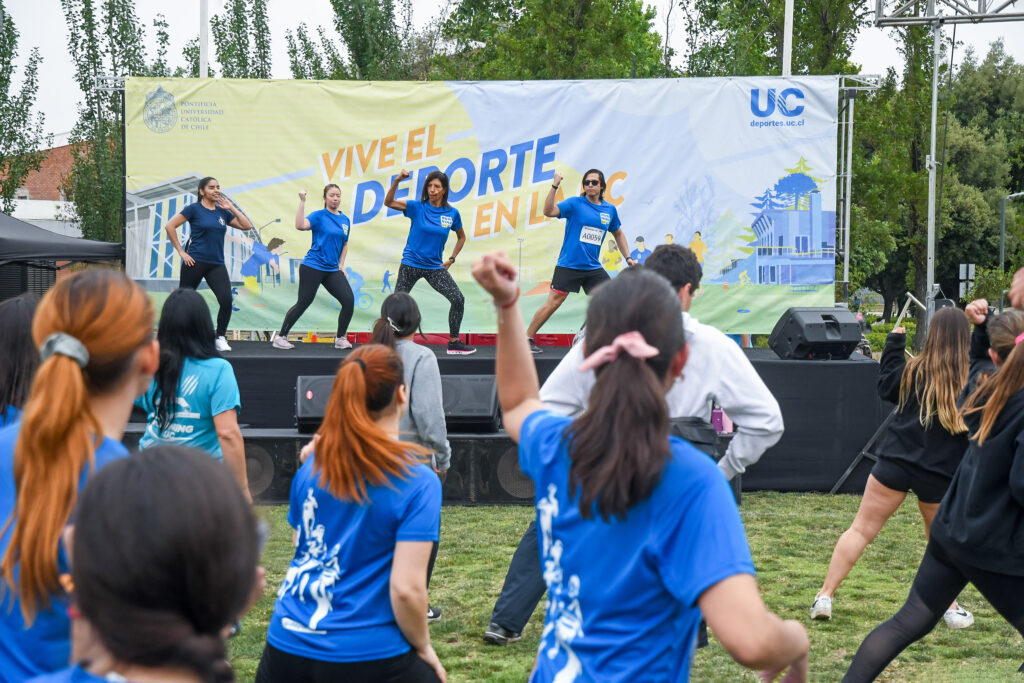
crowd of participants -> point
(138, 568)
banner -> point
(740, 170)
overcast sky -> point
(41, 25)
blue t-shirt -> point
(207, 228)
(622, 594)
(640, 256)
(330, 233)
(585, 226)
(9, 415)
(46, 646)
(261, 256)
(334, 603)
(428, 233)
(206, 388)
(72, 674)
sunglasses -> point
(588, 183)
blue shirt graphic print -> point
(330, 233)
(585, 226)
(206, 388)
(428, 233)
(261, 256)
(622, 594)
(335, 603)
(207, 228)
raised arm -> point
(389, 198)
(550, 208)
(891, 365)
(172, 234)
(518, 388)
(239, 221)
(301, 222)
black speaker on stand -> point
(815, 334)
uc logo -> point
(774, 102)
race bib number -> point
(591, 235)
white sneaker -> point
(342, 343)
(958, 618)
(282, 342)
(222, 344)
(822, 608)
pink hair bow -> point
(632, 343)
(1019, 339)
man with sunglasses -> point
(587, 219)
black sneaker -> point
(457, 348)
(533, 346)
(433, 614)
(499, 635)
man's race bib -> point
(591, 235)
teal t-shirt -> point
(206, 388)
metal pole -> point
(849, 191)
(841, 224)
(936, 43)
(1002, 229)
(787, 41)
(204, 40)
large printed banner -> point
(741, 170)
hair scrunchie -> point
(632, 343)
(65, 345)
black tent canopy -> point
(24, 242)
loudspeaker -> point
(485, 471)
(815, 333)
(470, 403)
(311, 395)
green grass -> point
(791, 537)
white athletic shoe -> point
(342, 343)
(958, 618)
(282, 342)
(822, 608)
(222, 344)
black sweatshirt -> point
(981, 519)
(930, 448)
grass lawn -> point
(791, 536)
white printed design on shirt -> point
(564, 618)
(177, 431)
(591, 235)
(312, 573)
(446, 221)
(606, 218)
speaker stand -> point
(865, 452)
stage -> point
(830, 410)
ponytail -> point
(399, 317)
(995, 390)
(354, 452)
(619, 446)
(112, 318)
(939, 374)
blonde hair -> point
(939, 374)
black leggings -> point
(335, 282)
(939, 580)
(278, 666)
(217, 278)
(443, 283)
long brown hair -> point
(992, 393)
(619, 446)
(112, 317)
(353, 450)
(939, 374)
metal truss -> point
(945, 11)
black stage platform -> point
(830, 409)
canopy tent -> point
(22, 242)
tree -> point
(21, 135)
(793, 187)
(242, 39)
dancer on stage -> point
(976, 537)
(203, 255)
(431, 220)
(587, 219)
(919, 451)
(324, 265)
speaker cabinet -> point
(485, 471)
(815, 334)
(470, 403)
(311, 395)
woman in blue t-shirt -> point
(18, 355)
(94, 332)
(193, 399)
(432, 219)
(324, 265)
(203, 255)
(588, 218)
(353, 603)
(638, 531)
(164, 557)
